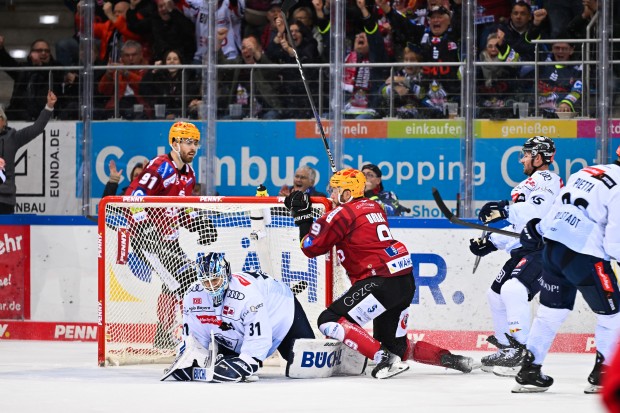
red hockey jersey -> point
(364, 243)
(162, 178)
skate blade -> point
(592, 389)
(528, 388)
(486, 369)
(476, 365)
(251, 379)
(396, 369)
(506, 371)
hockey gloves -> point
(531, 239)
(300, 206)
(493, 212)
(481, 246)
(233, 369)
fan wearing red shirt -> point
(380, 270)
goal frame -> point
(198, 200)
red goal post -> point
(146, 248)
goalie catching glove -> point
(234, 369)
(481, 246)
(493, 212)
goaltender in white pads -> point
(250, 315)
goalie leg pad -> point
(190, 354)
(317, 358)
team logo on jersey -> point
(209, 319)
(197, 300)
(521, 263)
(404, 321)
(242, 280)
(228, 311)
(395, 249)
(235, 295)
(332, 214)
(399, 264)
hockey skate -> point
(388, 365)
(488, 362)
(460, 363)
(530, 379)
(505, 361)
(596, 377)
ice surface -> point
(50, 377)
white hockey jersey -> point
(227, 16)
(253, 319)
(532, 198)
(586, 215)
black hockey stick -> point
(286, 6)
(457, 221)
(478, 257)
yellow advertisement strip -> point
(520, 128)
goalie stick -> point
(286, 6)
(457, 221)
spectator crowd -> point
(425, 34)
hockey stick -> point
(457, 221)
(477, 261)
(286, 6)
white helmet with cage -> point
(214, 275)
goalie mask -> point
(350, 179)
(183, 130)
(213, 274)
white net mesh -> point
(148, 247)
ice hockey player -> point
(155, 238)
(251, 314)
(519, 279)
(581, 235)
(380, 270)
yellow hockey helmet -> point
(183, 130)
(350, 179)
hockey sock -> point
(606, 333)
(352, 335)
(544, 328)
(514, 296)
(424, 352)
(498, 313)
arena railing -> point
(318, 85)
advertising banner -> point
(15, 272)
(46, 172)
(415, 156)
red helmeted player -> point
(154, 238)
(380, 270)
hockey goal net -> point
(147, 247)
